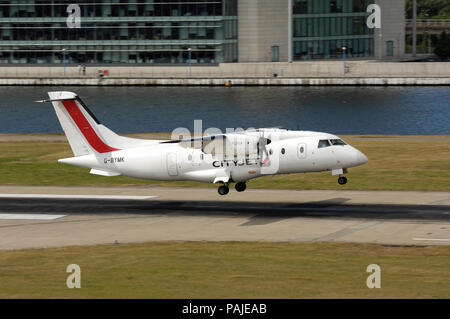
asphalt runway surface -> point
(37, 221)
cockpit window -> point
(324, 143)
(337, 142)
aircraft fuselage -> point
(172, 162)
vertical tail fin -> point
(82, 129)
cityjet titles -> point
(112, 160)
(241, 162)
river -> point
(338, 110)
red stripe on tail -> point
(85, 128)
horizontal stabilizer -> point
(53, 100)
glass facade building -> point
(322, 27)
(119, 31)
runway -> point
(139, 214)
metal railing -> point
(429, 21)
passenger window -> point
(337, 142)
(323, 143)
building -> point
(119, 31)
(318, 29)
(194, 31)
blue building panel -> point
(118, 31)
(321, 28)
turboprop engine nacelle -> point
(232, 145)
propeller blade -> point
(262, 149)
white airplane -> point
(220, 159)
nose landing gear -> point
(342, 180)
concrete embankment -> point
(224, 81)
(297, 73)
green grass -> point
(393, 165)
(226, 270)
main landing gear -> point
(342, 180)
(225, 189)
(240, 187)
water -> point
(339, 110)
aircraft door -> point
(172, 168)
(301, 150)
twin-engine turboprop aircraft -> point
(220, 159)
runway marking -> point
(432, 239)
(347, 231)
(54, 196)
(365, 225)
(31, 216)
(438, 201)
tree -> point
(427, 9)
(442, 48)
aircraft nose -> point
(361, 158)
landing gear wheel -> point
(342, 180)
(240, 187)
(223, 190)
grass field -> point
(227, 270)
(407, 164)
(235, 269)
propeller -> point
(262, 149)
